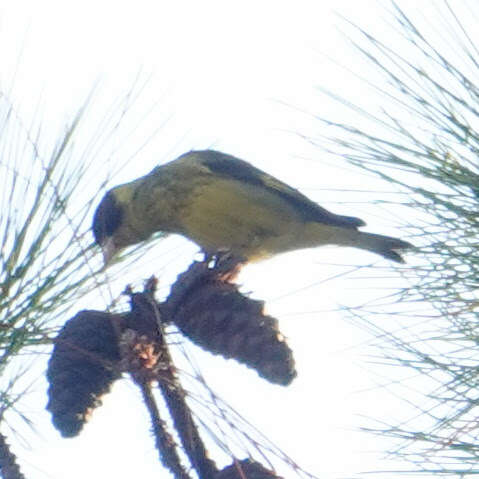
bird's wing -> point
(231, 167)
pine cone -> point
(217, 317)
(82, 368)
(246, 469)
(9, 468)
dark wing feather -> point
(231, 167)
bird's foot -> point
(225, 264)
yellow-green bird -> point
(225, 204)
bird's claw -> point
(225, 264)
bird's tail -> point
(386, 246)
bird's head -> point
(106, 222)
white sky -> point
(221, 74)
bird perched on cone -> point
(225, 204)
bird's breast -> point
(224, 214)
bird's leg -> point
(225, 264)
(210, 258)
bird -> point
(226, 205)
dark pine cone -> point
(9, 469)
(82, 367)
(246, 469)
(217, 317)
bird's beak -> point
(109, 250)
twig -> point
(164, 441)
(146, 310)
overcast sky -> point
(242, 78)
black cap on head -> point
(107, 218)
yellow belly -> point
(248, 221)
